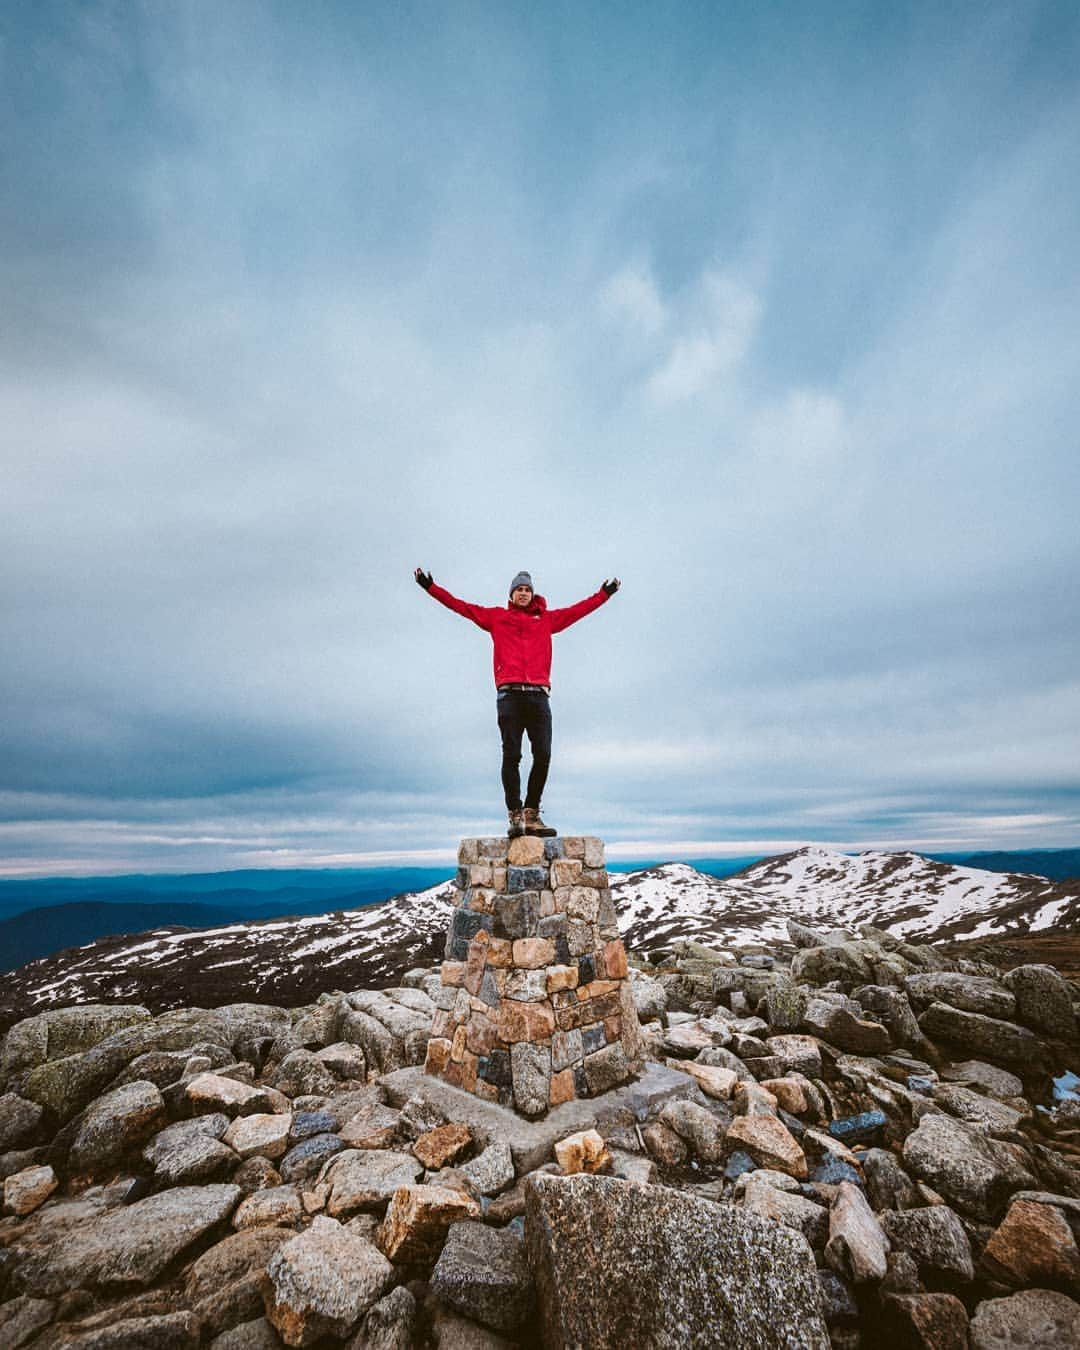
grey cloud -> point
(291, 316)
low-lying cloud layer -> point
(772, 315)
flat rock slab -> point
(618, 1265)
(128, 1246)
(532, 1141)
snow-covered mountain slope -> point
(292, 961)
(284, 961)
(904, 893)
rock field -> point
(852, 1146)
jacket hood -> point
(537, 605)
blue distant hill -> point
(1059, 864)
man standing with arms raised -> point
(521, 634)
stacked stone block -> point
(535, 1007)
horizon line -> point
(618, 851)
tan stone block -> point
(1033, 1244)
(457, 1046)
(476, 962)
(494, 847)
(453, 973)
(614, 960)
(525, 851)
(564, 998)
(583, 1152)
(500, 952)
(612, 1028)
(561, 977)
(498, 878)
(565, 871)
(480, 1034)
(468, 852)
(500, 976)
(574, 846)
(589, 1010)
(477, 1005)
(440, 1024)
(417, 1221)
(713, 1080)
(582, 904)
(561, 1088)
(789, 1093)
(593, 851)
(560, 895)
(487, 1092)
(664, 1144)
(26, 1190)
(470, 1065)
(438, 1055)
(481, 899)
(596, 877)
(531, 953)
(480, 874)
(443, 1146)
(769, 1143)
(547, 904)
(597, 988)
(314, 1201)
(374, 1126)
(525, 1021)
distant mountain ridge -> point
(291, 961)
(43, 916)
(1059, 864)
(904, 893)
(103, 907)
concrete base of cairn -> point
(535, 1007)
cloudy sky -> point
(770, 309)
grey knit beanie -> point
(522, 579)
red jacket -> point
(522, 637)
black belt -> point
(526, 688)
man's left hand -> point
(610, 587)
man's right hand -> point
(423, 578)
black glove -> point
(610, 587)
(423, 578)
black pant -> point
(524, 710)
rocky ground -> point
(844, 1140)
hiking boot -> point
(517, 824)
(534, 825)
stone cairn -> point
(535, 1005)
